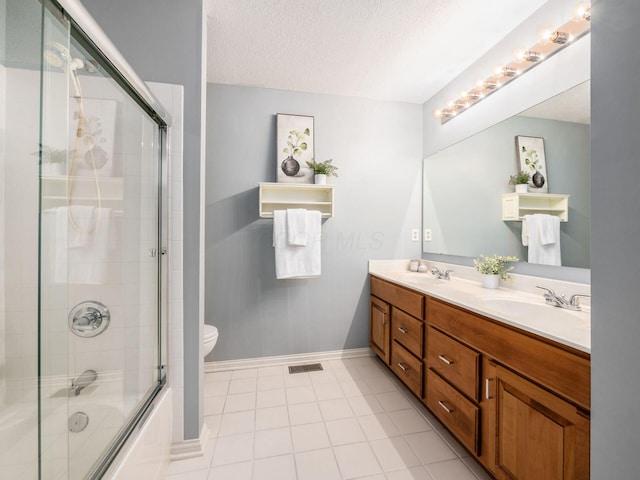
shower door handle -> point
(88, 319)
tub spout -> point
(83, 380)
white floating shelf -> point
(281, 196)
(517, 205)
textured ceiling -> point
(400, 50)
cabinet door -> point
(380, 328)
(538, 435)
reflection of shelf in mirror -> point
(517, 205)
(281, 196)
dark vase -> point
(290, 166)
(537, 179)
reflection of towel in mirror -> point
(81, 251)
(294, 261)
(541, 233)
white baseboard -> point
(190, 448)
(241, 364)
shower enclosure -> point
(82, 163)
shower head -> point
(58, 56)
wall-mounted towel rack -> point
(517, 205)
(281, 196)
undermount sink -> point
(533, 311)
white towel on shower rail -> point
(295, 261)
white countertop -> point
(518, 308)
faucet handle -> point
(574, 300)
(549, 291)
(446, 274)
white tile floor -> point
(353, 420)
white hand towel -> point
(546, 254)
(297, 261)
(297, 226)
(85, 264)
(549, 225)
(85, 219)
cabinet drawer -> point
(410, 302)
(455, 362)
(456, 412)
(407, 367)
(407, 331)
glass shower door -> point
(20, 57)
(80, 222)
(100, 249)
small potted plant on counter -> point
(521, 181)
(322, 170)
(494, 268)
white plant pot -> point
(320, 179)
(490, 281)
(522, 188)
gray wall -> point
(463, 187)
(377, 147)
(615, 258)
(162, 40)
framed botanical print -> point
(295, 137)
(530, 157)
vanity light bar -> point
(551, 43)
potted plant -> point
(494, 268)
(521, 181)
(322, 170)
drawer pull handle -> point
(404, 369)
(402, 330)
(383, 317)
(487, 393)
(445, 360)
(444, 407)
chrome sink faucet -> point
(551, 298)
(441, 274)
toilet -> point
(210, 338)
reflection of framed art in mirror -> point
(531, 159)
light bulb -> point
(559, 37)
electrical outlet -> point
(415, 235)
(427, 235)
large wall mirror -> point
(464, 183)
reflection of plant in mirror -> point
(295, 143)
(531, 158)
(520, 178)
(323, 168)
(495, 265)
(51, 155)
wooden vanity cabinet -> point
(399, 339)
(518, 402)
(533, 396)
(537, 434)
(379, 328)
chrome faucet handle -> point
(436, 272)
(549, 291)
(552, 298)
(446, 274)
(574, 300)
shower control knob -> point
(88, 319)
